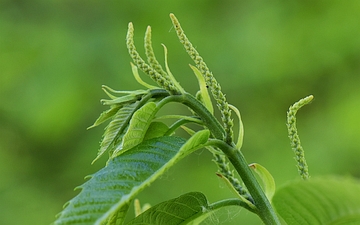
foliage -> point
(141, 149)
(55, 55)
(326, 200)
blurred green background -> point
(55, 55)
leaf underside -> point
(181, 210)
(115, 185)
(331, 201)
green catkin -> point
(162, 81)
(222, 104)
(150, 54)
(224, 169)
(295, 139)
(210, 80)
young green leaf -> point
(319, 201)
(104, 116)
(266, 178)
(115, 128)
(127, 99)
(138, 209)
(171, 76)
(249, 205)
(156, 129)
(196, 141)
(117, 102)
(205, 97)
(138, 127)
(138, 78)
(239, 141)
(189, 209)
(113, 187)
(118, 217)
(107, 91)
(184, 209)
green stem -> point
(265, 210)
(180, 122)
(187, 99)
(231, 202)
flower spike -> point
(294, 137)
(162, 81)
(209, 78)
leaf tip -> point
(64, 206)
(252, 166)
(87, 177)
(219, 175)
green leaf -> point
(205, 97)
(240, 138)
(110, 190)
(330, 201)
(138, 209)
(171, 76)
(106, 115)
(188, 209)
(138, 127)
(123, 100)
(249, 205)
(156, 129)
(197, 140)
(185, 209)
(130, 97)
(114, 186)
(118, 217)
(138, 78)
(266, 178)
(115, 128)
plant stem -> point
(209, 120)
(231, 202)
(265, 210)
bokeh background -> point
(55, 55)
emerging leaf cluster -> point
(135, 132)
